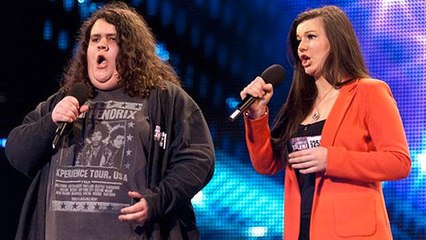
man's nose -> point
(103, 45)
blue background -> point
(217, 47)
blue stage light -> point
(3, 142)
(162, 52)
(68, 5)
(47, 30)
(232, 102)
(63, 40)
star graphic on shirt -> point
(129, 152)
(131, 124)
(129, 137)
(86, 206)
(109, 207)
(123, 105)
(111, 103)
(74, 206)
(97, 207)
(63, 206)
(138, 107)
(127, 165)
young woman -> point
(338, 136)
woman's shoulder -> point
(366, 85)
(372, 87)
(371, 82)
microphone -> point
(79, 91)
(274, 74)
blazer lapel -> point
(338, 112)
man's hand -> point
(137, 213)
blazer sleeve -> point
(376, 149)
(258, 140)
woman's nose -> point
(302, 46)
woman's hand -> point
(260, 90)
(309, 160)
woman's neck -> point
(323, 87)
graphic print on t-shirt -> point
(92, 174)
(105, 146)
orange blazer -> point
(366, 145)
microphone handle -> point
(242, 106)
(58, 134)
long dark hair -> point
(138, 65)
(344, 61)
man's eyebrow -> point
(99, 34)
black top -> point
(307, 136)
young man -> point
(168, 151)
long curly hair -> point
(138, 65)
(343, 64)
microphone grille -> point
(274, 74)
(79, 91)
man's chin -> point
(106, 86)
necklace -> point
(316, 114)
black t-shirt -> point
(307, 136)
(99, 162)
